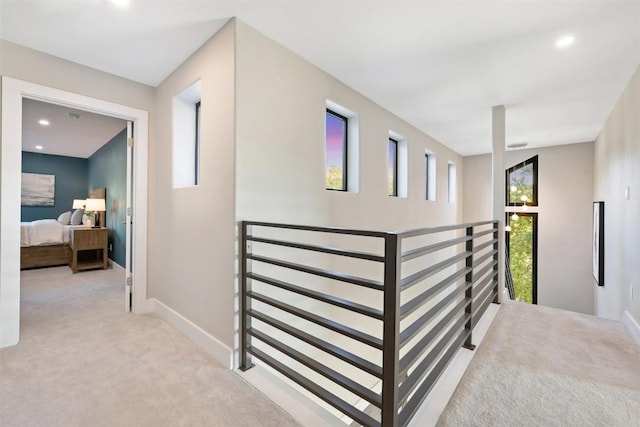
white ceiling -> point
(440, 65)
(65, 135)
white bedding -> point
(45, 232)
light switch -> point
(627, 193)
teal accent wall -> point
(71, 183)
(108, 168)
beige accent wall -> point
(477, 185)
(280, 148)
(192, 267)
(32, 66)
(565, 180)
(617, 166)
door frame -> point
(13, 92)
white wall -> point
(192, 253)
(565, 185)
(617, 166)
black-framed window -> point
(453, 182)
(336, 150)
(521, 245)
(522, 183)
(392, 167)
(197, 145)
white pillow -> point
(76, 217)
(64, 218)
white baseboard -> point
(221, 352)
(632, 325)
(115, 266)
(293, 401)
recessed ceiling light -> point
(44, 122)
(39, 147)
(120, 3)
(565, 41)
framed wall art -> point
(38, 189)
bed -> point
(45, 243)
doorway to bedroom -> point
(71, 159)
(14, 94)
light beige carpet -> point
(82, 361)
(540, 366)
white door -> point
(128, 284)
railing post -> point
(391, 331)
(245, 301)
(469, 292)
(496, 258)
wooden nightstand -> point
(88, 248)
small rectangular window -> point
(392, 167)
(430, 176)
(336, 145)
(197, 149)
(452, 182)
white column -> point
(498, 136)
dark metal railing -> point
(378, 325)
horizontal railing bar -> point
(478, 248)
(323, 249)
(484, 233)
(425, 365)
(419, 324)
(344, 355)
(482, 293)
(338, 378)
(414, 253)
(480, 287)
(479, 274)
(329, 299)
(418, 301)
(422, 231)
(421, 346)
(320, 272)
(319, 320)
(485, 257)
(415, 278)
(332, 230)
(322, 393)
(416, 400)
(482, 308)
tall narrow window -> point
(197, 149)
(392, 167)
(336, 144)
(430, 176)
(186, 136)
(452, 182)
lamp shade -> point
(95, 205)
(78, 203)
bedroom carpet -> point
(540, 366)
(82, 361)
